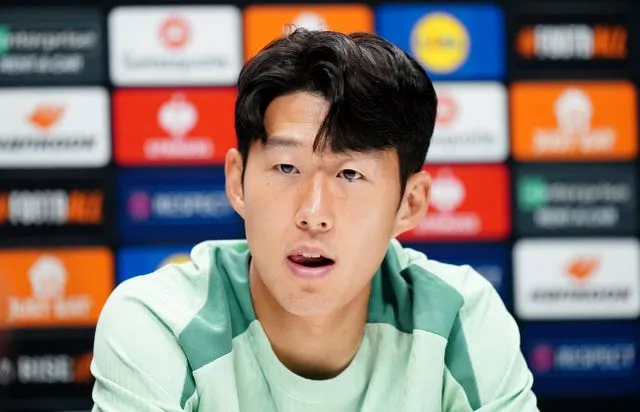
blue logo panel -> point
(491, 260)
(452, 42)
(175, 206)
(141, 260)
(573, 359)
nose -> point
(314, 212)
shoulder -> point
(457, 292)
(174, 294)
(471, 286)
(178, 313)
(483, 356)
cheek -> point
(369, 217)
(264, 205)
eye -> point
(350, 175)
(286, 169)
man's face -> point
(318, 225)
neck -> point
(313, 347)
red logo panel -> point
(466, 203)
(173, 127)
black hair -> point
(379, 97)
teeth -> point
(311, 255)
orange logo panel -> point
(466, 202)
(263, 24)
(573, 121)
(54, 287)
(173, 127)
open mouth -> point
(310, 260)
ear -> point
(233, 180)
(413, 207)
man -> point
(320, 309)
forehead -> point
(298, 113)
(292, 122)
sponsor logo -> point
(29, 44)
(33, 50)
(263, 23)
(451, 42)
(49, 287)
(570, 358)
(440, 42)
(174, 32)
(575, 199)
(177, 117)
(574, 121)
(169, 127)
(464, 131)
(46, 369)
(310, 21)
(62, 204)
(459, 204)
(577, 279)
(572, 41)
(33, 372)
(55, 207)
(180, 205)
(583, 357)
(54, 128)
(172, 45)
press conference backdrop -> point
(115, 118)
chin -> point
(308, 305)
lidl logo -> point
(440, 42)
(450, 42)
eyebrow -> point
(275, 141)
(281, 141)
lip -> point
(310, 250)
(305, 272)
